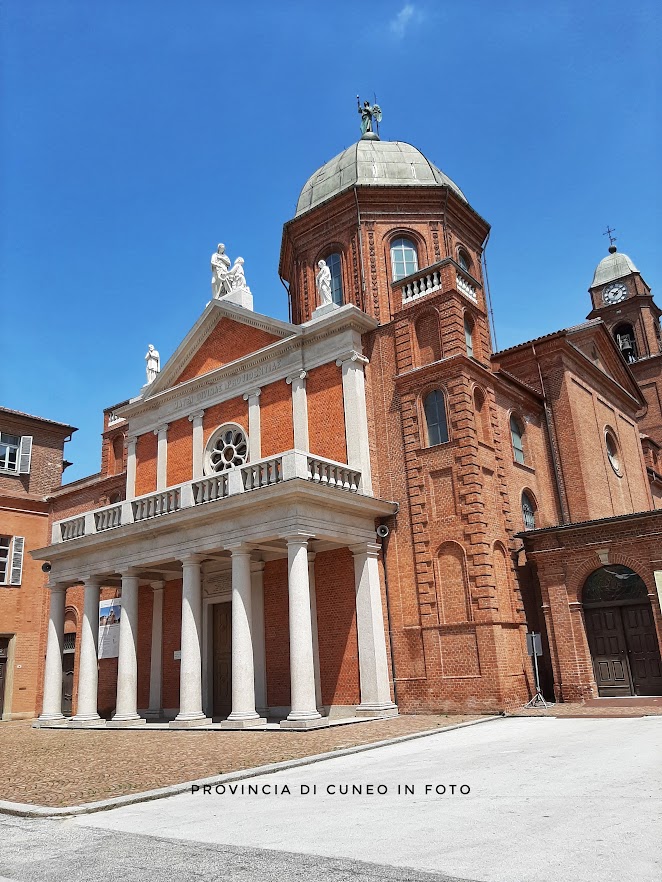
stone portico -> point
(224, 532)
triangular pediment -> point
(224, 333)
(595, 342)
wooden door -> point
(222, 667)
(606, 640)
(643, 649)
(3, 680)
(67, 682)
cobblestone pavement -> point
(597, 708)
(66, 767)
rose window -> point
(227, 448)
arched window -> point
(612, 451)
(528, 512)
(334, 264)
(435, 417)
(404, 258)
(517, 435)
(464, 260)
(624, 336)
(469, 335)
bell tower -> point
(623, 300)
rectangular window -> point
(11, 560)
(5, 542)
(10, 446)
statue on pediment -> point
(220, 269)
(153, 365)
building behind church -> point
(364, 509)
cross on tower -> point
(609, 232)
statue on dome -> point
(369, 112)
(323, 283)
(220, 269)
(153, 365)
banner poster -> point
(109, 628)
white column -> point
(198, 444)
(162, 457)
(254, 429)
(300, 410)
(243, 713)
(126, 709)
(131, 467)
(304, 713)
(88, 671)
(373, 663)
(52, 705)
(190, 677)
(257, 630)
(313, 624)
(356, 417)
(155, 667)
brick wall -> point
(228, 341)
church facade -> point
(365, 508)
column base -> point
(376, 710)
(253, 723)
(195, 723)
(50, 721)
(155, 716)
(91, 723)
(130, 723)
(302, 725)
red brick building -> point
(362, 508)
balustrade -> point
(164, 502)
(210, 489)
(262, 474)
(107, 518)
(425, 284)
(74, 528)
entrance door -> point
(67, 682)
(606, 640)
(643, 649)
(222, 659)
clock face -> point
(614, 293)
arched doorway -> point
(621, 633)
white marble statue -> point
(323, 282)
(153, 365)
(237, 277)
(220, 268)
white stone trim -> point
(162, 457)
(132, 441)
(356, 417)
(88, 674)
(52, 703)
(299, 409)
(156, 655)
(254, 426)
(198, 443)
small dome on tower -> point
(613, 266)
(372, 163)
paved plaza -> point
(549, 799)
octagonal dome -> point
(614, 266)
(372, 163)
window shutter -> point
(25, 455)
(17, 560)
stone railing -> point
(107, 518)
(465, 287)
(425, 283)
(210, 489)
(72, 528)
(243, 479)
(156, 504)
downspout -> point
(358, 216)
(553, 443)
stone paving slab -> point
(65, 767)
(593, 709)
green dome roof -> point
(613, 266)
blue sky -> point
(135, 136)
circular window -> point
(226, 449)
(612, 452)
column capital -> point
(158, 584)
(198, 415)
(297, 375)
(189, 560)
(128, 572)
(370, 549)
(351, 356)
(238, 547)
(257, 566)
(161, 430)
(300, 537)
(132, 439)
(91, 579)
(254, 393)
(57, 587)
(311, 556)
